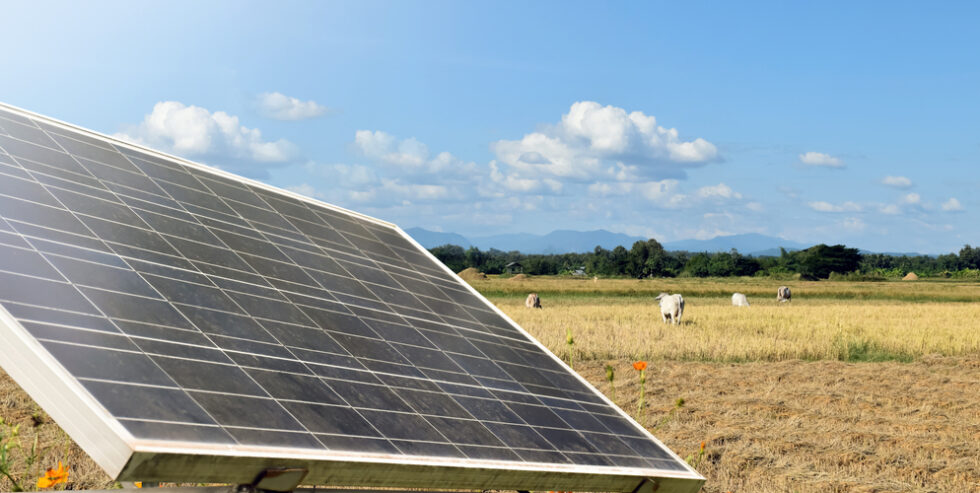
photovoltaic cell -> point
(199, 309)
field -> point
(851, 387)
(612, 319)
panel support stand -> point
(275, 480)
(647, 486)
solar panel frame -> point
(126, 457)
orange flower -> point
(640, 365)
(702, 445)
(53, 476)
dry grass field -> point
(851, 387)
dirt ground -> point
(790, 426)
(822, 426)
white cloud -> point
(416, 192)
(821, 206)
(663, 193)
(192, 131)
(890, 209)
(755, 207)
(821, 159)
(511, 182)
(912, 199)
(281, 107)
(897, 181)
(718, 191)
(592, 141)
(303, 189)
(411, 157)
(610, 189)
(344, 175)
(952, 205)
(386, 148)
(853, 224)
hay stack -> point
(519, 277)
(911, 276)
(471, 274)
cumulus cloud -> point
(664, 193)
(890, 209)
(278, 106)
(410, 156)
(386, 148)
(952, 205)
(514, 183)
(897, 181)
(610, 189)
(594, 141)
(718, 191)
(853, 224)
(402, 172)
(821, 206)
(912, 199)
(821, 159)
(303, 189)
(195, 132)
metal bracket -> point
(647, 486)
(277, 479)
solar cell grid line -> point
(198, 326)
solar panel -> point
(185, 324)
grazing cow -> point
(533, 301)
(783, 294)
(671, 306)
(739, 299)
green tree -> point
(820, 260)
(698, 265)
(452, 256)
(970, 257)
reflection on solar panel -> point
(184, 324)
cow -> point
(783, 294)
(739, 299)
(533, 301)
(671, 306)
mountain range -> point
(567, 241)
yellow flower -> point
(53, 476)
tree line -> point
(649, 259)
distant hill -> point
(748, 244)
(559, 241)
(567, 241)
(432, 239)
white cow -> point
(783, 294)
(533, 301)
(671, 306)
(739, 299)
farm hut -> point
(911, 276)
(514, 268)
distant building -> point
(514, 268)
(579, 271)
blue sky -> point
(844, 122)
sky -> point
(817, 122)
